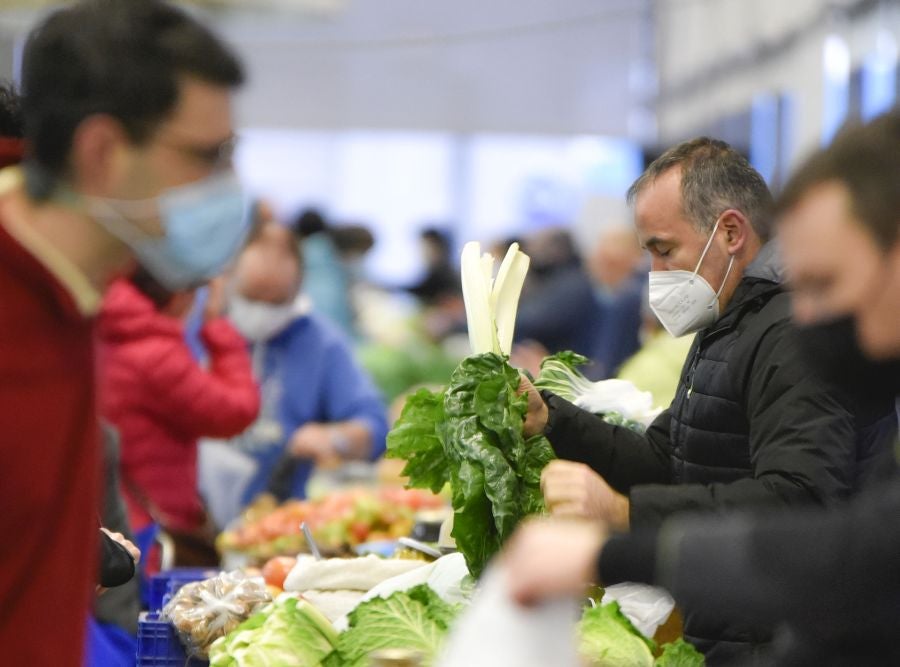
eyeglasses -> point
(216, 157)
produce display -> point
(204, 611)
(467, 435)
(338, 521)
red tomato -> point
(360, 531)
(276, 570)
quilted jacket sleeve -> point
(220, 401)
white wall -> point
(523, 66)
(696, 35)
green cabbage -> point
(608, 639)
(416, 619)
(287, 633)
(679, 654)
(471, 436)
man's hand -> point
(316, 442)
(129, 546)
(548, 558)
(537, 415)
(574, 490)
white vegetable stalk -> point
(491, 304)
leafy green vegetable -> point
(608, 639)
(471, 434)
(619, 402)
(679, 654)
(288, 632)
(415, 439)
(416, 619)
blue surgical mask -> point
(204, 224)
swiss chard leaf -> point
(471, 435)
(415, 438)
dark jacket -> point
(831, 578)
(828, 581)
(750, 425)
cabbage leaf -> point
(416, 619)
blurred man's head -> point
(269, 269)
(702, 191)
(123, 99)
(127, 110)
(616, 256)
(839, 221)
(12, 126)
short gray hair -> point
(714, 177)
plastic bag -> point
(494, 630)
(203, 611)
(647, 607)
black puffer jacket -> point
(751, 425)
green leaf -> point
(416, 619)
(608, 639)
(679, 654)
(415, 439)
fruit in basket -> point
(276, 570)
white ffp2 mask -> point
(682, 300)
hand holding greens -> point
(471, 436)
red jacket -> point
(50, 476)
(162, 400)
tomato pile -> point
(338, 521)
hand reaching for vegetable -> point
(536, 417)
(574, 490)
(549, 558)
(315, 441)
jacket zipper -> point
(695, 359)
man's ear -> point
(738, 230)
(97, 157)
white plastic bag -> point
(495, 631)
(647, 607)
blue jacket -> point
(307, 373)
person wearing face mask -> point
(125, 103)
(828, 580)
(161, 401)
(319, 408)
(751, 424)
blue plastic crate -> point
(168, 583)
(158, 645)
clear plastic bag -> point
(203, 611)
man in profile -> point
(128, 126)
